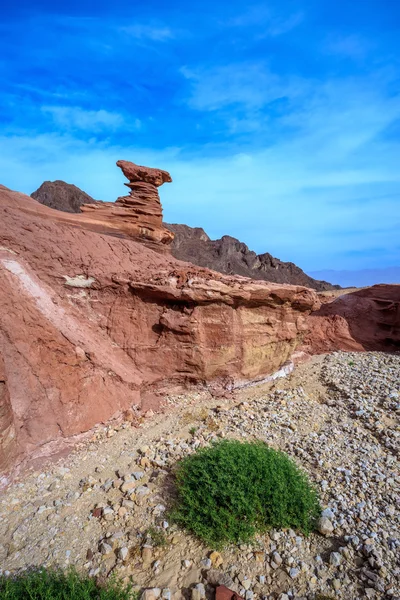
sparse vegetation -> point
(158, 537)
(231, 490)
(43, 584)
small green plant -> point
(43, 584)
(231, 490)
(158, 537)
(351, 363)
(192, 430)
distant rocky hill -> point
(226, 255)
(229, 255)
(62, 196)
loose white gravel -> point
(104, 508)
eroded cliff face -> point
(367, 319)
(93, 324)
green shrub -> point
(42, 584)
(157, 536)
(231, 490)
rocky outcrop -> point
(229, 255)
(92, 324)
(136, 216)
(139, 213)
(368, 319)
(62, 196)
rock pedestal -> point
(138, 215)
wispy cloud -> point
(140, 31)
(250, 84)
(348, 46)
(273, 23)
(75, 117)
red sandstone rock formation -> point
(368, 319)
(138, 215)
(92, 324)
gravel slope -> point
(338, 416)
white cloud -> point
(75, 117)
(141, 31)
(250, 84)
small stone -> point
(147, 555)
(89, 554)
(206, 563)
(328, 513)
(123, 553)
(151, 594)
(277, 558)
(216, 577)
(216, 559)
(198, 592)
(186, 564)
(337, 584)
(201, 590)
(166, 594)
(325, 526)
(335, 559)
(105, 548)
(128, 486)
(294, 572)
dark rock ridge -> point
(62, 196)
(230, 256)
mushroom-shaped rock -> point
(138, 215)
(135, 173)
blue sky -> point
(278, 121)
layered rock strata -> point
(137, 216)
(92, 324)
(140, 213)
(367, 319)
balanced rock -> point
(139, 213)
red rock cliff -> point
(91, 324)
